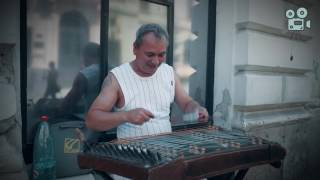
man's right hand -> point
(139, 116)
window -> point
(63, 43)
(133, 14)
(190, 50)
(63, 38)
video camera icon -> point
(298, 24)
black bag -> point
(68, 145)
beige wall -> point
(260, 90)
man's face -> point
(150, 54)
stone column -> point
(12, 166)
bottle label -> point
(71, 145)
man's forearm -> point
(102, 121)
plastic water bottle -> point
(44, 163)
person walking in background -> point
(52, 84)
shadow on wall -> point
(221, 111)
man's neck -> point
(137, 70)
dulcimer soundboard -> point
(184, 154)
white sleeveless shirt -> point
(154, 93)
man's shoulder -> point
(118, 72)
(111, 81)
(121, 66)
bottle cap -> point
(44, 118)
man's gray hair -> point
(156, 29)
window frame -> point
(27, 148)
(104, 39)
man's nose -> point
(156, 60)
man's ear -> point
(135, 48)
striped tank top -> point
(154, 93)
